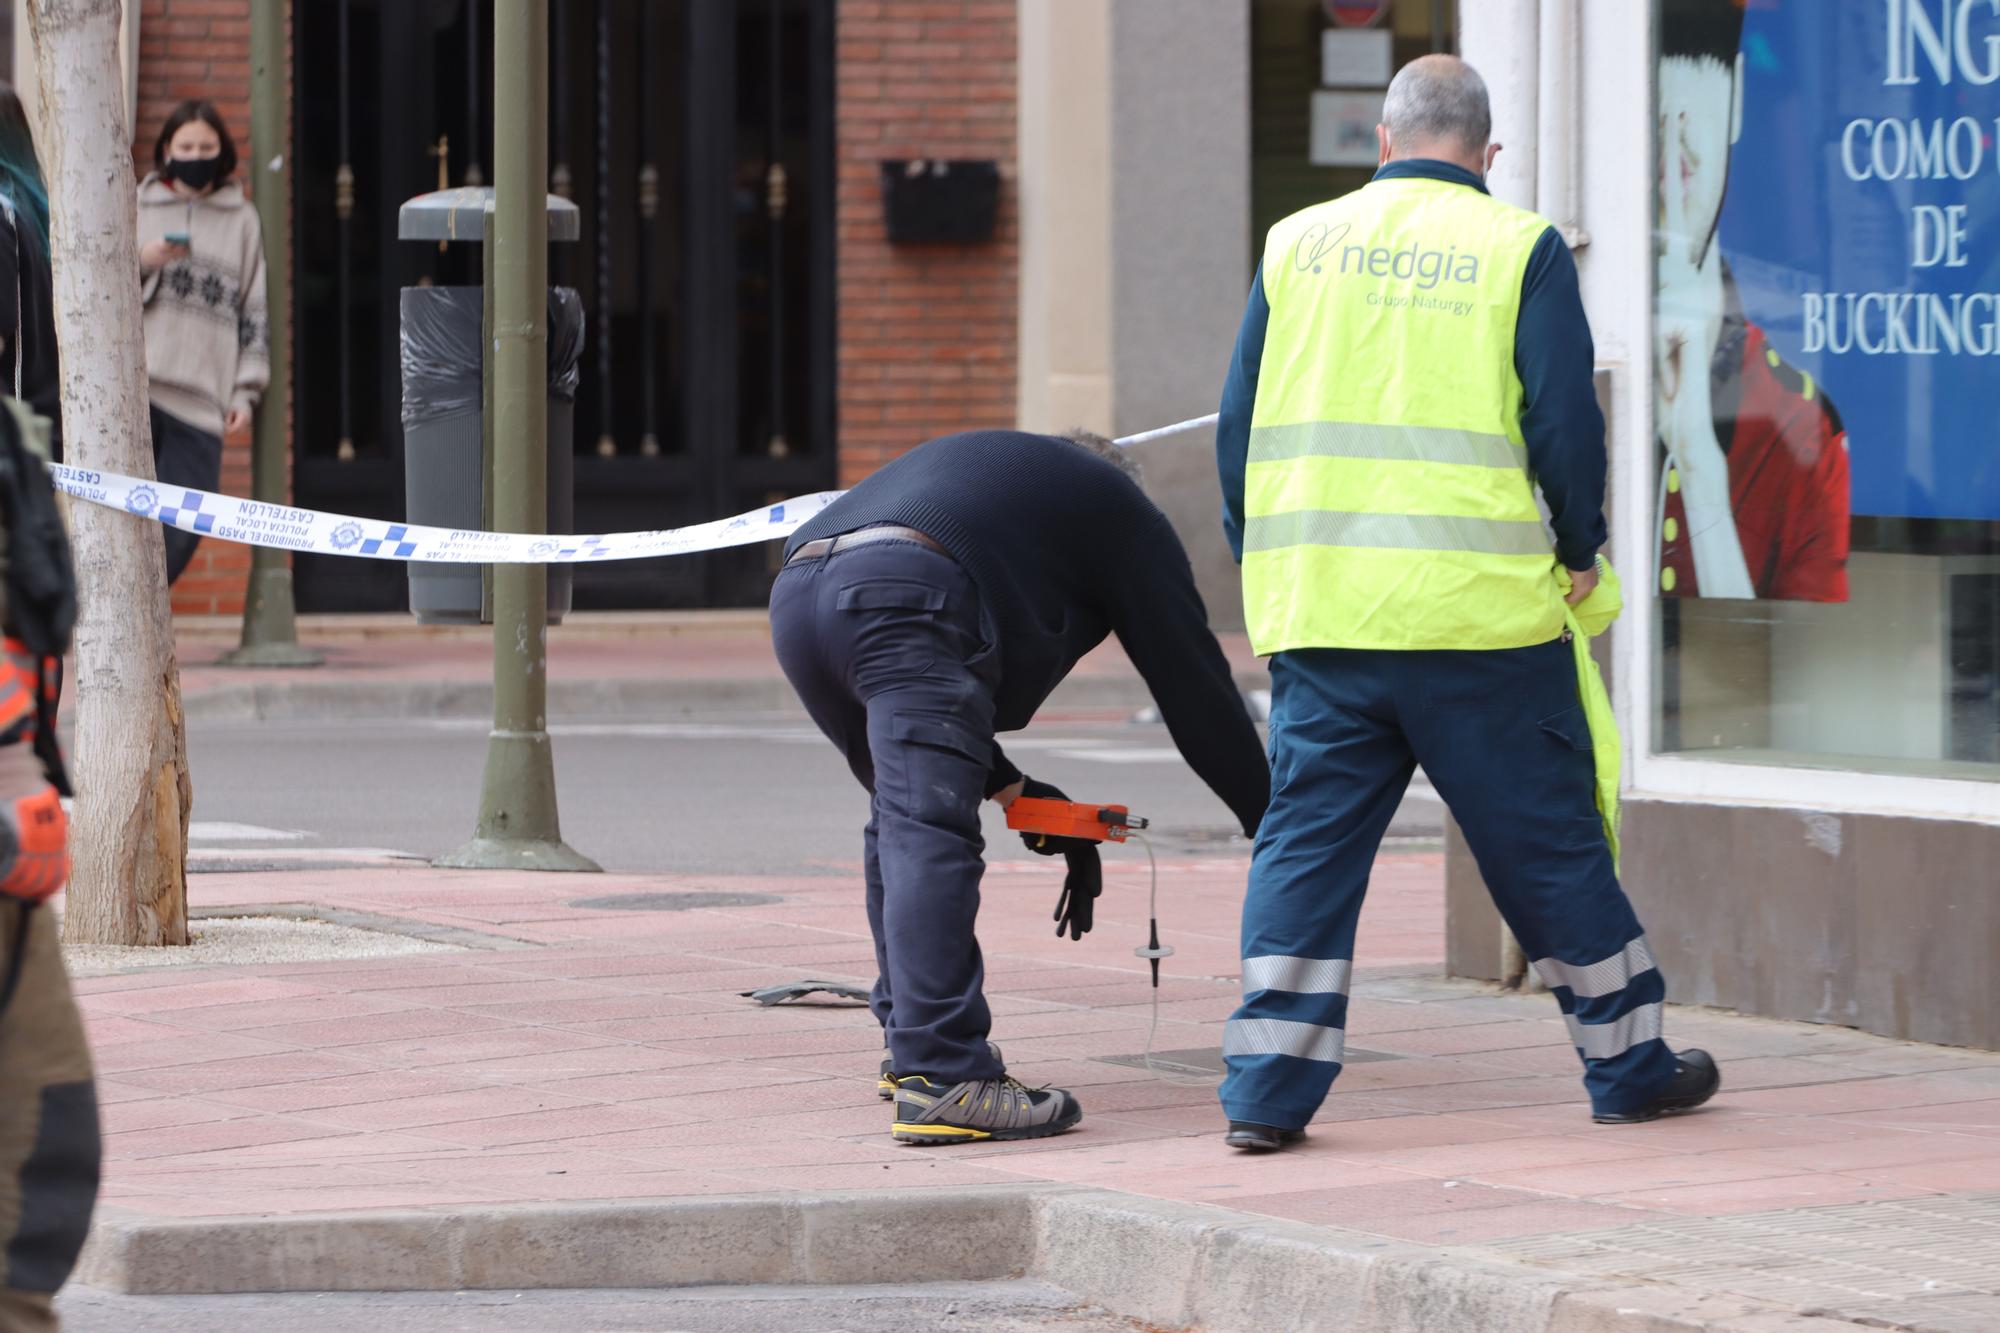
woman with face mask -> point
(201, 268)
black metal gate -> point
(697, 137)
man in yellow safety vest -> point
(1413, 363)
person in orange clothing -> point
(50, 1146)
(1754, 494)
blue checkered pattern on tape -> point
(190, 508)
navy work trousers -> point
(1502, 737)
(889, 648)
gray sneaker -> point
(982, 1108)
(885, 1082)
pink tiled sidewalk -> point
(610, 1056)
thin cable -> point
(1145, 951)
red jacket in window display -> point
(1788, 485)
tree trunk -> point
(128, 832)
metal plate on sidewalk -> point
(1206, 1061)
(672, 902)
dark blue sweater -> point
(1553, 356)
(1065, 549)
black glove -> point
(1048, 844)
(1076, 910)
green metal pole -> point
(270, 624)
(518, 828)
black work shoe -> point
(982, 1108)
(885, 1082)
(1695, 1080)
(1253, 1137)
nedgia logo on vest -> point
(1322, 245)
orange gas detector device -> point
(1072, 819)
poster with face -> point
(1827, 273)
(1754, 498)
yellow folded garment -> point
(1592, 617)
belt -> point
(887, 532)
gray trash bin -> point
(443, 453)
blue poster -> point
(1860, 233)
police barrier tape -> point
(284, 527)
(247, 521)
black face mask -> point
(197, 173)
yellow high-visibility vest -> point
(1388, 501)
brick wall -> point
(201, 48)
(926, 337)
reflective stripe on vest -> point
(1402, 532)
(1387, 495)
(1407, 444)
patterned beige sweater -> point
(207, 333)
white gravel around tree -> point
(251, 939)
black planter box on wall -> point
(935, 201)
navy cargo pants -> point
(1502, 737)
(889, 649)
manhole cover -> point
(672, 902)
(1206, 1061)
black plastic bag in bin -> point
(565, 342)
(441, 352)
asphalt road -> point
(754, 793)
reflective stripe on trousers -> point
(1497, 732)
(1603, 977)
(1280, 1036)
(1277, 1036)
(1596, 1000)
(1301, 976)
(1602, 1041)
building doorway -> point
(696, 136)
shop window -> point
(1318, 69)
(1826, 371)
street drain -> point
(672, 902)
(1206, 1061)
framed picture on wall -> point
(1343, 128)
